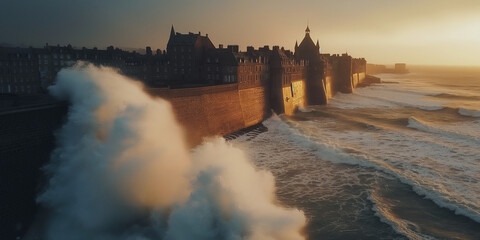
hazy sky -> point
(433, 32)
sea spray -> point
(121, 170)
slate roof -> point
(183, 39)
(307, 42)
(178, 39)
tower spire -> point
(172, 32)
(307, 31)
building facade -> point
(19, 71)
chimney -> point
(220, 46)
(233, 48)
(250, 49)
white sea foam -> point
(385, 96)
(121, 170)
(410, 167)
(443, 131)
(404, 227)
(309, 182)
(439, 162)
(469, 112)
(305, 110)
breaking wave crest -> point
(404, 227)
(330, 151)
(424, 126)
(469, 112)
(122, 170)
(455, 96)
(382, 96)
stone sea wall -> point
(216, 110)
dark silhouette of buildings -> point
(191, 60)
(185, 55)
(19, 71)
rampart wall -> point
(216, 110)
(26, 140)
(294, 96)
(358, 78)
(329, 87)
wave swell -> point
(330, 151)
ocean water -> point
(397, 160)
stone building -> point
(219, 66)
(185, 54)
(288, 81)
(19, 71)
(309, 51)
